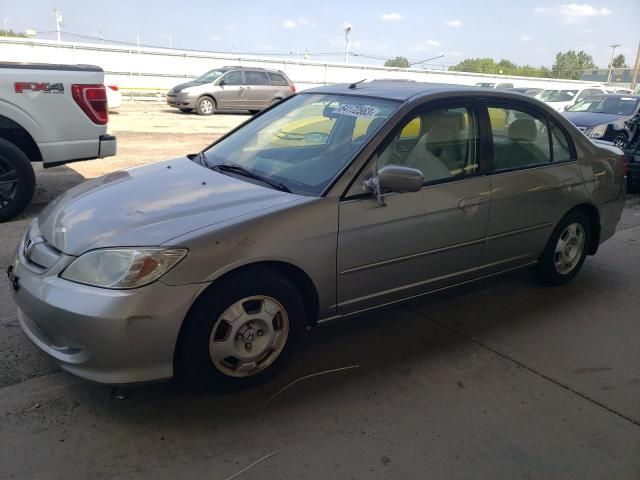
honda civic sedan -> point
(214, 265)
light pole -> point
(613, 52)
(58, 22)
(347, 31)
(4, 22)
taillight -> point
(115, 88)
(293, 88)
(92, 99)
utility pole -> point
(347, 31)
(170, 41)
(613, 52)
(4, 21)
(636, 69)
(58, 22)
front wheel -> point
(17, 180)
(240, 332)
(566, 250)
(205, 106)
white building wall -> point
(159, 69)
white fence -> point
(158, 69)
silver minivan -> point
(335, 202)
(231, 88)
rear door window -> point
(278, 80)
(256, 78)
(520, 138)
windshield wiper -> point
(237, 169)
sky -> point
(522, 31)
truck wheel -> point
(205, 106)
(17, 180)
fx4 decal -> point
(44, 87)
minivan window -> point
(233, 78)
(304, 141)
(279, 80)
(210, 76)
(256, 78)
(522, 140)
(445, 148)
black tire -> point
(206, 106)
(276, 100)
(186, 110)
(546, 270)
(620, 140)
(193, 360)
(253, 112)
(17, 180)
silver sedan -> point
(333, 203)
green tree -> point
(571, 65)
(504, 67)
(398, 62)
(619, 62)
(11, 33)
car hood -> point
(150, 205)
(182, 86)
(590, 119)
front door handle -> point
(472, 203)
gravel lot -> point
(500, 379)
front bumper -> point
(181, 100)
(108, 336)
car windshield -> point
(304, 142)
(558, 95)
(210, 76)
(610, 105)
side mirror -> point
(394, 178)
(222, 83)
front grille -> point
(37, 254)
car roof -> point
(392, 90)
(404, 91)
(240, 67)
(615, 95)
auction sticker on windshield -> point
(357, 110)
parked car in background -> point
(560, 99)
(52, 114)
(231, 88)
(114, 97)
(495, 85)
(604, 116)
(529, 92)
(215, 264)
(619, 91)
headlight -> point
(597, 132)
(122, 268)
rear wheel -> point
(239, 333)
(17, 180)
(276, 100)
(566, 250)
(205, 106)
